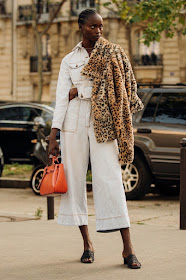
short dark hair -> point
(84, 15)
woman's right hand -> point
(73, 93)
(53, 148)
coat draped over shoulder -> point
(114, 97)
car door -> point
(164, 123)
(16, 128)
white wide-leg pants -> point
(77, 144)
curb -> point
(24, 183)
(14, 183)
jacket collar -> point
(79, 45)
(101, 41)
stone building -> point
(163, 62)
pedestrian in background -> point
(95, 99)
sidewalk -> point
(43, 250)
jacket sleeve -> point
(131, 85)
(64, 85)
(135, 102)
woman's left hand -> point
(73, 93)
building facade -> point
(163, 62)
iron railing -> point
(146, 59)
(25, 11)
(46, 63)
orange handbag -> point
(53, 181)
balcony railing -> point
(45, 11)
(34, 64)
(152, 59)
(78, 6)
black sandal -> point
(87, 255)
(132, 262)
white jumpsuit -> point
(78, 142)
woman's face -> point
(92, 29)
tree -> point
(36, 14)
(156, 15)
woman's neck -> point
(88, 44)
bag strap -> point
(54, 160)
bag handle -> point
(54, 160)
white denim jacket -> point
(70, 76)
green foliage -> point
(39, 213)
(156, 15)
(17, 170)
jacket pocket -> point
(75, 70)
(71, 118)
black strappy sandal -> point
(130, 260)
(87, 255)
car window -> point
(11, 113)
(47, 116)
(19, 113)
(150, 110)
(172, 108)
(29, 114)
(140, 94)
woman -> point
(78, 121)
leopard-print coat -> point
(114, 98)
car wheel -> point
(136, 178)
(36, 178)
(1, 161)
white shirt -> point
(69, 76)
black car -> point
(158, 129)
(1, 161)
(16, 129)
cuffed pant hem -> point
(72, 220)
(112, 224)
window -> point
(172, 108)
(19, 114)
(77, 6)
(150, 110)
(146, 55)
(2, 7)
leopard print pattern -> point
(114, 97)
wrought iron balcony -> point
(45, 11)
(152, 59)
(46, 64)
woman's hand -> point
(73, 93)
(53, 148)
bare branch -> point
(34, 20)
(53, 17)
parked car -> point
(16, 129)
(1, 161)
(158, 129)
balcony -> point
(34, 64)
(152, 59)
(45, 11)
(78, 6)
(148, 68)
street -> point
(43, 250)
(153, 210)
